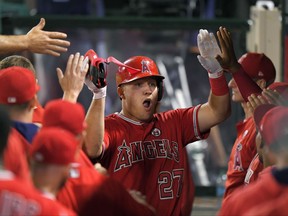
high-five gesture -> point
(72, 80)
(36, 41)
(209, 49)
(227, 59)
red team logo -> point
(145, 67)
(237, 158)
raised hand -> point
(209, 49)
(274, 97)
(72, 81)
(95, 79)
(254, 101)
(227, 58)
(46, 42)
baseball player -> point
(16, 198)
(52, 151)
(251, 74)
(277, 207)
(69, 116)
(277, 94)
(18, 90)
(244, 148)
(16, 60)
(273, 129)
(35, 41)
(143, 149)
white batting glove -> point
(211, 65)
(97, 92)
(201, 40)
(209, 49)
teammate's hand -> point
(254, 101)
(46, 42)
(227, 57)
(73, 80)
(101, 169)
(140, 198)
(209, 49)
(274, 97)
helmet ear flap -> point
(160, 89)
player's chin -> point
(147, 115)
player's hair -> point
(17, 60)
(17, 107)
(5, 124)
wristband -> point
(219, 85)
(99, 93)
(215, 74)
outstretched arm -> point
(218, 106)
(95, 127)
(96, 112)
(229, 63)
(36, 40)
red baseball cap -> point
(274, 124)
(258, 66)
(54, 146)
(260, 111)
(17, 85)
(281, 88)
(67, 115)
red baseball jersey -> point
(265, 171)
(18, 200)
(83, 159)
(88, 191)
(15, 156)
(265, 189)
(279, 207)
(255, 167)
(151, 158)
(242, 153)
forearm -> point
(12, 43)
(95, 128)
(70, 96)
(220, 106)
(245, 84)
(217, 108)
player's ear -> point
(120, 92)
(33, 102)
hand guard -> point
(209, 49)
(96, 75)
(95, 79)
